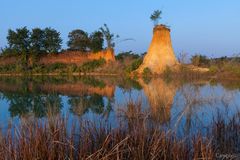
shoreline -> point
(117, 75)
(58, 74)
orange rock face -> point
(160, 53)
(77, 57)
(68, 57)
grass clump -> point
(137, 137)
(92, 65)
(134, 65)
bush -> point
(200, 60)
(11, 68)
(213, 69)
(146, 75)
(232, 68)
(92, 65)
(71, 68)
(146, 72)
(135, 65)
(123, 55)
(56, 66)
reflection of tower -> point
(160, 53)
(160, 96)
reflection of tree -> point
(127, 84)
(40, 105)
(83, 104)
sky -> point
(209, 27)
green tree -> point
(37, 40)
(78, 40)
(156, 16)
(19, 41)
(96, 41)
(52, 40)
(109, 37)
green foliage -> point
(92, 65)
(135, 64)
(11, 68)
(78, 40)
(121, 56)
(96, 41)
(8, 52)
(156, 16)
(71, 68)
(200, 60)
(30, 44)
(109, 37)
(52, 40)
(147, 72)
(232, 68)
(56, 66)
(37, 41)
(213, 69)
(19, 40)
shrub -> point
(123, 55)
(146, 71)
(92, 65)
(71, 68)
(200, 60)
(135, 64)
(213, 69)
(56, 66)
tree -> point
(19, 41)
(109, 37)
(78, 40)
(156, 16)
(52, 40)
(96, 41)
(37, 41)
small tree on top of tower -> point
(156, 16)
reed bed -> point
(136, 137)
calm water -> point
(186, 108)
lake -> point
(186, 107)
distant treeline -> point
(27, 43)
(203, 61)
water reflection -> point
(184, 107)
(94, 103)
(160, 95)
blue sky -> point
(210, 27)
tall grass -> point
(136, 137)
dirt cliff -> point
(67, 57)
(77, 57)
(160, 53)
